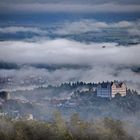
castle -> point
(110, 89)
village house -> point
(110, 89)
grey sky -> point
(73, 1)
(70, 6)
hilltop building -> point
(104, 90)
(110, 89)
(118, 88)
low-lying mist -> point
(30, 77)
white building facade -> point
(110, 89)
(118, 88)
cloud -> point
(70, 7)
(123, 24)
(134, 31)
(16, 29)
(83, 26)
(63, 51)
(76, 27)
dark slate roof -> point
(105, 84)
(118, 84)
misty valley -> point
(68, 98)
(70, 70)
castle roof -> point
(105, 84)
(118, 84)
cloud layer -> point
(77, 27)
(63, 51)
(84, 26)
(16, 29)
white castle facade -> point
(110, 89)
